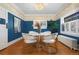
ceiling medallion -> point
(39, 6)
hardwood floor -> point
(20, 48)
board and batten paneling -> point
(3, 28)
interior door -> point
(3, 37)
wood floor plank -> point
(21, 48)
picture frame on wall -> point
(34, 24)
(63, 28)
(67, 26)
(43, 24)
(17, 26)
(73, 27)
(78, 26)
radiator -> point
(68, 41)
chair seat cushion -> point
(31, 37)
(30, 41)
(49, 41)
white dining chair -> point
(29, 43)
(29, 38)
(50, 43)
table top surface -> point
(40, 34)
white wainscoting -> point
(4, 30)
(70, 42)
(3, 36)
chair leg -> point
(50, 48)
(27, 48)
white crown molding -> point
(59, 11)
(20, 11)
(39, 14)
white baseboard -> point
(14, 41)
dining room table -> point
(40, 38)
(39, 35)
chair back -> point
(28, 38)
(50, 37)
(55, 35)
(24, 35)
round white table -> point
(39, 38)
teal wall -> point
(54, 26)
(11, 33)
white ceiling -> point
(50, 8)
